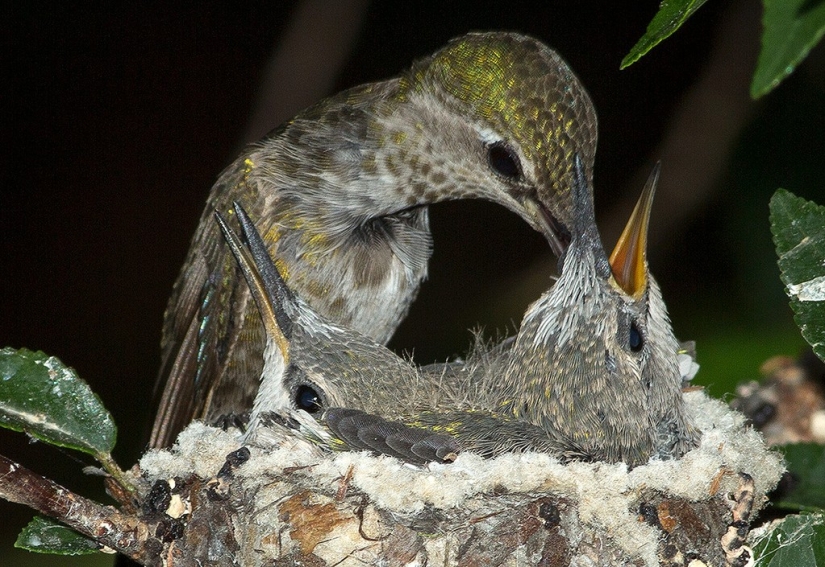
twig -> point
(103, 524)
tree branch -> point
(104, 524)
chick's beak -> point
(253, 263)
(629, 258)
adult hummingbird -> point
(339, 194)
(585, 378)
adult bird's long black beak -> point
(543, 221)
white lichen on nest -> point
(606, 495)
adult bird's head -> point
(497, 115)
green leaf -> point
(798, 228)
(47, 536)
(792, 28)
(670, 17)
(46, 399)
(794, 541)
(806, 462)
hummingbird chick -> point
(339, 194)
(595, 360)
(317, 367)
(583, 379)
(595, 364)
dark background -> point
(116, 122)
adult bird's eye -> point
(504, 161)
(635, 340)
(307, 399)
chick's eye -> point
(307, 399)
(635, 339)
(504, 161)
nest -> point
(218, 503)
